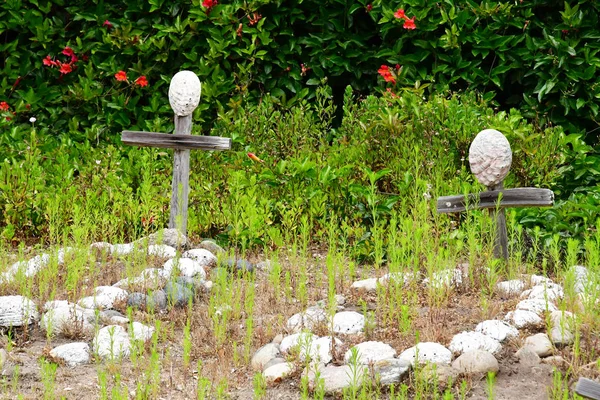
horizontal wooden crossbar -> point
(518, 197)
(172, 141)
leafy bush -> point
(390, 158)
(60, 62)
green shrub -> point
(540, 56)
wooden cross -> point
(184, 96)
(490, 157)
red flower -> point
(74, 59)
(49, 62)
(107, 24)
(141, 81)
(68, 52)
(121, 76)
(410, 23)
(385, 72)
(369, 7)
(4, 106)
(400, 14)
(209, 3)
(65, 68)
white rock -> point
(170, 237)
(498, 330)
(561, 336)
(522, 318)
(202, 256)
(162, 250)
(580, 276)
(264, 355)
(562, 327)
(371, 352)
(321, 349)
(112, 342)
(141, 332)
(68, 318)
(390, 370)
(56, 304)
(102, 247)
(348, 322)
(62, 253)
(308, 319)
(476, 362)
(550, 291)
(72, 354)
(150, 278)
(276, 373)
(17, 311)
(540, 343)
(187, 267)
(511, 288)
(467, 341)
(27, 268)
(121, 249)
(297, 340)
(527, 357)
(536, 280)
(427, 352)
(336, 379)
(101, 302)
(536, 305)
(369, 285)
(403, 278)
(564, 319)
(445, 278)
(115, 294)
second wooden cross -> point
(490, 158)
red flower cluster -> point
(121, 76)
(388, 74)
(107, 24)
(141, 81)
(64, 68)
(369, 8)
(209, 4)
(4, 106)
(409, 23)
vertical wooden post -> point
(501, 238)
(181, 177)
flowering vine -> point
(409, 23)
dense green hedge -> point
(540, 55)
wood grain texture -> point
(501, 238)
(175, 141)
(181, 178)
(588, 388)
(518, 197)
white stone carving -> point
(184, 93)
(490, 157)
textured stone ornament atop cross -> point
(184, 96)
(490, 157)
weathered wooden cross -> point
(184, 96)
(490, 157)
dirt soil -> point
(460, 311)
